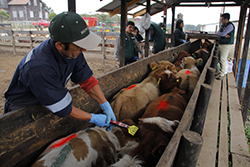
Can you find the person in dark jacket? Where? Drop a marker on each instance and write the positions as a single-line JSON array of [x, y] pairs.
[[179, 36], [156, 34], [131, 43], [139, 39]]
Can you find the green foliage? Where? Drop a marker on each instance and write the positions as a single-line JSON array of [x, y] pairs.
[[52, 15], [4, 16], [103, 17], [189, 27], [247, 130]]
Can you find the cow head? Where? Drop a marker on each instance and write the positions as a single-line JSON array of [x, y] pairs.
[[154, 135], [168, 81], [182, 54], [168, 65], [188, 62], [158, 69]]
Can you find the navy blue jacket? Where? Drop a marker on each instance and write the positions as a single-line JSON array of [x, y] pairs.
[[41, 76]]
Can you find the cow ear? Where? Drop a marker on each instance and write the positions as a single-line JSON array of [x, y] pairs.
[[178, 80], [153, 65], [199, 62], [159, 149]]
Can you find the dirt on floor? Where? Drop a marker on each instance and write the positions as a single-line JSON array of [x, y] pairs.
[[9, 62]]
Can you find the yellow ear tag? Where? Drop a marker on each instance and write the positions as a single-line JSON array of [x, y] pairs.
[[159, 80], [177, 80], [154, 68], [132, 130]]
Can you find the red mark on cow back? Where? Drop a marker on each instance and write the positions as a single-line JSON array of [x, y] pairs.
[[163, 105], [63, 141], [130, 87], [188, 72]]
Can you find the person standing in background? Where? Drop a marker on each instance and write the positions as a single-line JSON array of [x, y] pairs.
[[226, 34], [157, 36], [131, 43], [139, 39], [179, 35]]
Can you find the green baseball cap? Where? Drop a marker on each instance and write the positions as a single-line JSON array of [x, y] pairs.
[[69, 27]]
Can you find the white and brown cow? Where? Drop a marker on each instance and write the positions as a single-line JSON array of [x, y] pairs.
[[130, 102], [154, 134], [93, 147]]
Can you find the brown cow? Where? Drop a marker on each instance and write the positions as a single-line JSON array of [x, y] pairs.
[[92, 147], [206, 47], [177, 62], [130, 102], [166, 78], [156, 128], [154, 134], [189, 74], [169, 66], [170, 106]]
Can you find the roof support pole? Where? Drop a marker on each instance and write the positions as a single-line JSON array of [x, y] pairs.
[[172, 26], [147, 32], [72, 5], [165, 18], [242, 71], [122, 30], [239, 36]]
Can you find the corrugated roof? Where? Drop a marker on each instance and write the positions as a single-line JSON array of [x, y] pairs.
[[18, 2], [157, 6]]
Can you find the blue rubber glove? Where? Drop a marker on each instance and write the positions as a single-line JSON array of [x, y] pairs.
[[99, 119], [106, 108], [184, 41]]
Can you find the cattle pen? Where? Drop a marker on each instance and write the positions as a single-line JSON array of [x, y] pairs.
[[211, 132]]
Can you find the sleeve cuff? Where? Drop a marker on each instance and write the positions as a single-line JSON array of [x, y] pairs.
[[88, 84]]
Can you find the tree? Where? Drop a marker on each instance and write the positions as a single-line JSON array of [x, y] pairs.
[[103, 17], [4, 16], [52, 15]]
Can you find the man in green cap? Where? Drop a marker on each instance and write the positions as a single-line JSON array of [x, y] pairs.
[[42, 74]]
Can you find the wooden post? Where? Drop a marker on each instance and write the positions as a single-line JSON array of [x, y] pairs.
[[147, 32], [172, 26], [241, 24], [165, 18], [72, 5], [31, 43], [210, 76], [189, 149], [123, 35], [244, 57], [13, 42], [201, 108], [103, 47]]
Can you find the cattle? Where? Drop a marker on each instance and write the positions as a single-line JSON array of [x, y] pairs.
[[154, 134], [189, 74], [177, 62], [130, 102], [93, 147], [170, 105], [168, 81], [156, 128], [205, 47], [169, 66]]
